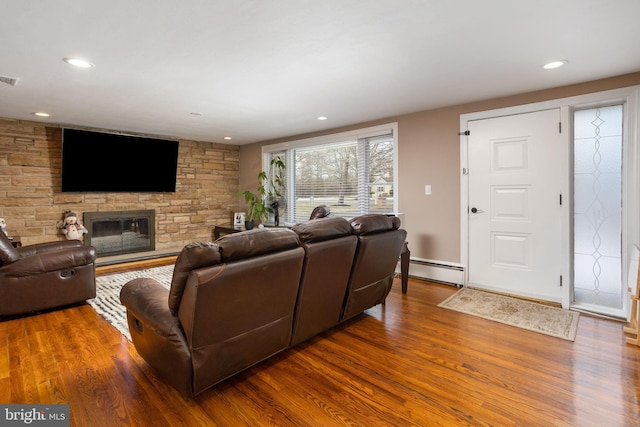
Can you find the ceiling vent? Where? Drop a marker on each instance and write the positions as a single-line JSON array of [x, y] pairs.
[[11, 81]]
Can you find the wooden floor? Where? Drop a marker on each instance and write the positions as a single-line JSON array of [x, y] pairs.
[[405, 363]]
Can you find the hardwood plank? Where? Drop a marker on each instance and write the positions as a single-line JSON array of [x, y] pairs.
[[408, 362], [135, 265]]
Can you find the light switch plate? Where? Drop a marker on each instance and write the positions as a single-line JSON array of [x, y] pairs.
[[427, 190]]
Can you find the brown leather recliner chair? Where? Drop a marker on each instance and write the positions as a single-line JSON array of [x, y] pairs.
[[45, 275]]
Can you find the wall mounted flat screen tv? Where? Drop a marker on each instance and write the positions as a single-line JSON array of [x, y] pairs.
[[106, 162]]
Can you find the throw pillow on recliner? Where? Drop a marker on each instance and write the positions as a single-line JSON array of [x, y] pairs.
[[322, 211]]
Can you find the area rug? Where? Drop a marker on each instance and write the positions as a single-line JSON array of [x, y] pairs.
[[107, 300], [515, 312]]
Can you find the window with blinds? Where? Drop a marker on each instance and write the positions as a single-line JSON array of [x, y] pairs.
[[353, 173]]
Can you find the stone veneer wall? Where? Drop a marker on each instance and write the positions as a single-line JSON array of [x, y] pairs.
[[31, 201]]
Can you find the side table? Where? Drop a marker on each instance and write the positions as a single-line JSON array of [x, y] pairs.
[[219, 230]]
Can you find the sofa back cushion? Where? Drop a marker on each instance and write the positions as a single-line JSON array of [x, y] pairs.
[[374, 223], [193, 256], [8, 253], [318, 230], [256, 242]]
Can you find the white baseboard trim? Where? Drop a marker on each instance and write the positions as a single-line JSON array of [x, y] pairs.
[[435, 271]]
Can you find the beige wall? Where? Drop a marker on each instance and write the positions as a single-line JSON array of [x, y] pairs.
[[32, 203], [429, 153]]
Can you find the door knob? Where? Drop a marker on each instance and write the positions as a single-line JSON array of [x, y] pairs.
[[476, 210]]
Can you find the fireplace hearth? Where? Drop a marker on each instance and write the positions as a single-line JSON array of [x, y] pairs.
[[120, 232]]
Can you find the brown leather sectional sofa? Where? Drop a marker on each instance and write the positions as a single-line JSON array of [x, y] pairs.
[[247, 296]]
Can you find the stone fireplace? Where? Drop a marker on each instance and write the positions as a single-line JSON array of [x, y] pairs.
[[120, 232]]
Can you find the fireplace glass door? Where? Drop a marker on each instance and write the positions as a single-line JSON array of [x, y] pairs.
[[114, 233]]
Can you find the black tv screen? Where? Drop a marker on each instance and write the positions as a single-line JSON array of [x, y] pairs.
[[106, 162]]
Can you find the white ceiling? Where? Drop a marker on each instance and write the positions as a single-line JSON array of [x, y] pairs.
[[262, 69]]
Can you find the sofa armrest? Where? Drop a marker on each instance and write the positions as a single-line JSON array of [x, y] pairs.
[[147, 300], [51, 261], [157, 333], [40, 248]]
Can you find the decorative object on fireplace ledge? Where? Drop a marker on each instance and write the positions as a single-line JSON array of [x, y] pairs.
[[270, 186], [71, 227], [3, 227]]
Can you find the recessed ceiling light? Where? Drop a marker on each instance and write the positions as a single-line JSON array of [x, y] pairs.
[[41, 114], [554, 64], [80, 63], [227, 138], [322, 118]]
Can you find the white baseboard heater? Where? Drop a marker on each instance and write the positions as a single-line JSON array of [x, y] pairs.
[[436, 271]]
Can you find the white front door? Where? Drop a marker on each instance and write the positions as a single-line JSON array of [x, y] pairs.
[[517, 170]]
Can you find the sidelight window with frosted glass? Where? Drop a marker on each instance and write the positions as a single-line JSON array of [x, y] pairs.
[[598, 207]]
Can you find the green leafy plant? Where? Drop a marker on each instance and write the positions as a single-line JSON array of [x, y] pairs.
[[270, 187]]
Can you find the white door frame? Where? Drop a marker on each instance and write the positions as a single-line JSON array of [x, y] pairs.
[[630, 186]]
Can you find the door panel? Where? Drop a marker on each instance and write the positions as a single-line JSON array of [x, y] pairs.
[[510, 203], [511, 250], [516, 173]]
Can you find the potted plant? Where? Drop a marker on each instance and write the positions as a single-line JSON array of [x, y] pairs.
[[270, 186]]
